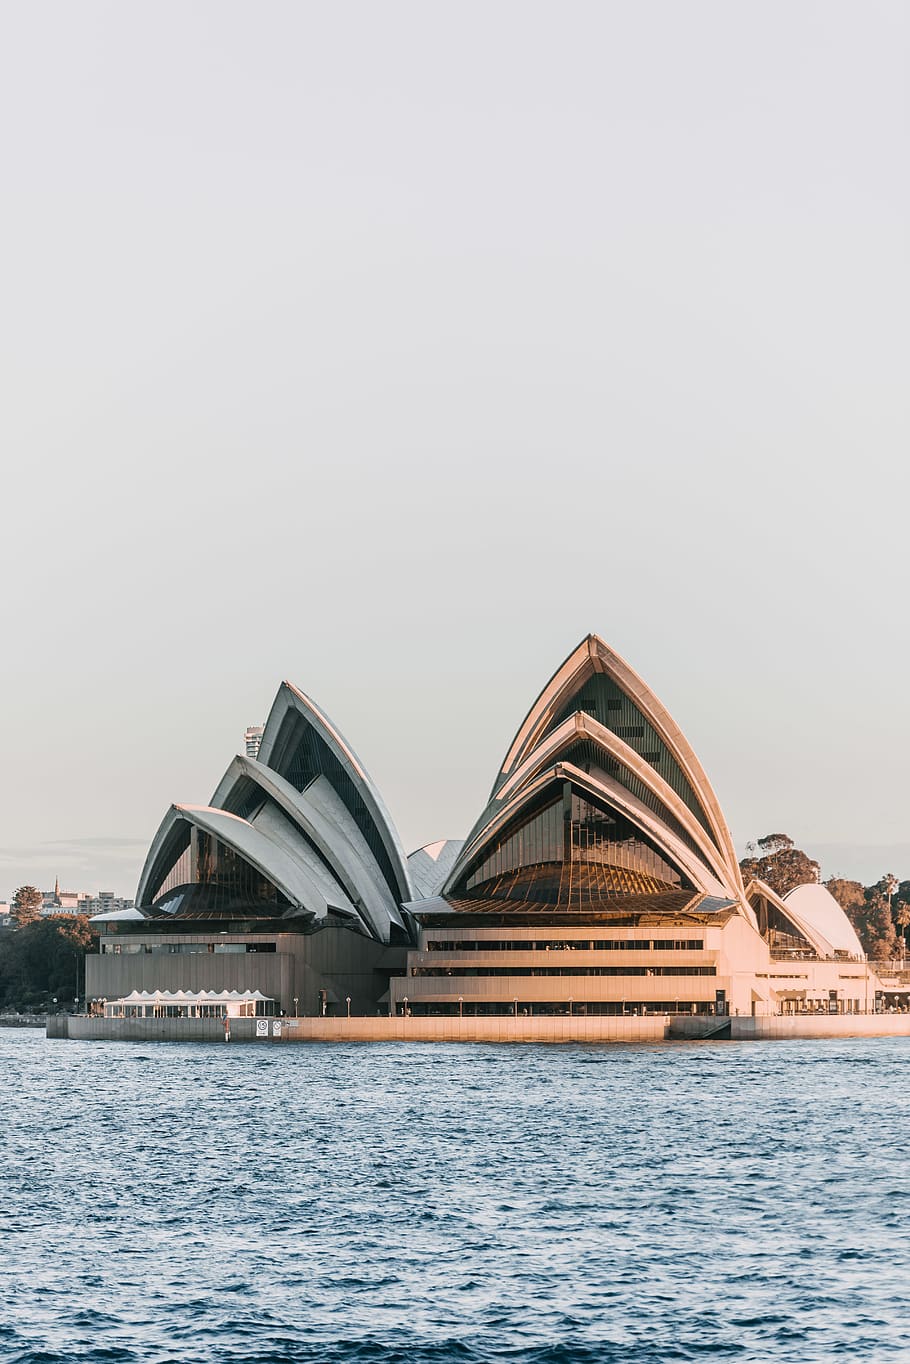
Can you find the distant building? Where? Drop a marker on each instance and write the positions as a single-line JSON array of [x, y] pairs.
[[253, 738], [59, 901], [105, 902]]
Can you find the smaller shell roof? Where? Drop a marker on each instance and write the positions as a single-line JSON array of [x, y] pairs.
[[429, 866], [818, 907]]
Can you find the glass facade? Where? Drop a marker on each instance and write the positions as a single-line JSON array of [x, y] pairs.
[[588, 756], [570, 852], [457, 945], [610, 706], [521, 971], [209, 879]]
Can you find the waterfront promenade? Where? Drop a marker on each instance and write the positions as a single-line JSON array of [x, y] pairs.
[[505, 1028]]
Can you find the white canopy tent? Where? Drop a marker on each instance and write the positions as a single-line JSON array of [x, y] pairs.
[[190, 1004]]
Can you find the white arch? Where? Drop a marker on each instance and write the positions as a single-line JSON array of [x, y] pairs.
[[286, 873], [612, 794], [324, 819], [289, 699], [816, 935], [817, 907], [591, 656], [584, 726]]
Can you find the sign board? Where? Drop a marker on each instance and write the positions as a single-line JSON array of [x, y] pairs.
[[262, 1027], [276, 1027]]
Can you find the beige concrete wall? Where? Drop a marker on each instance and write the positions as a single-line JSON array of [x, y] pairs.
[[499, 1029], [334, 958], [503, 1029], [820, 1025]]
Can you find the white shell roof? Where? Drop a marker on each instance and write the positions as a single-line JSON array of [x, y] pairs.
[[429, 866], [817, 906]]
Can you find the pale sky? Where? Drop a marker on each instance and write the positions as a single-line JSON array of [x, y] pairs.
[[391, 348]]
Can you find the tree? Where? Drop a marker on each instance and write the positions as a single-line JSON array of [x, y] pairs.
[[880, 937], [869, 912], [76, 930], [27, 903], [43, 959], [781, 865], [850, 895], [902, 920]]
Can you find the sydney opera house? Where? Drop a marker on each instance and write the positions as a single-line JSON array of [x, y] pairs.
[[600, 878]]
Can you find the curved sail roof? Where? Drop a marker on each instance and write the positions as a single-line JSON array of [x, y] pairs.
[[583, 741], [429, 866], [816, 907], [804, 913], [598, 731], [300, 743], [596, 680], [607, 793], [320, 827], [288, 874]]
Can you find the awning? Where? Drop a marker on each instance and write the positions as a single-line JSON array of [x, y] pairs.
[[195, 997]]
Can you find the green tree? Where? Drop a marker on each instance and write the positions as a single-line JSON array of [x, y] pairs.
[[880, 937], [869, 911], [43, 959], [851, 896], [776, 861], [901, 917], [27, 903]]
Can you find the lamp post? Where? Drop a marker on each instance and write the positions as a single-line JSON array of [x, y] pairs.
[[405, 1003], [296, 1006], [515, 1007], [347, 1000], [461, 1006], [570, 1006]]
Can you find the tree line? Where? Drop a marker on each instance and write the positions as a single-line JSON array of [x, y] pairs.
[[880, 913], [42, 959]]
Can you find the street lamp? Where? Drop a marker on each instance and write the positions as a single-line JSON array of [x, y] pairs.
[[515, 1007], [461, 1006], [296, 1006], [405, 1003], [347, 1000]]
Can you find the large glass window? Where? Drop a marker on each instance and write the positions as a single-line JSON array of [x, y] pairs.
[[209, 878], [609, 705], [571, 851]]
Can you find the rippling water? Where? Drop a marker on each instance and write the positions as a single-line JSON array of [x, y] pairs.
[[555, 1205]]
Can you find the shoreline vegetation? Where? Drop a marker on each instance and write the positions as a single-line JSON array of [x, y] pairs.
[[42, 959]]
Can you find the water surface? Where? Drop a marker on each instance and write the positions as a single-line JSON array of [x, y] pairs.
[[396, 1202]]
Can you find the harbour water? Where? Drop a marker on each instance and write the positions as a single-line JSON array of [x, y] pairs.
[[420, 1204]]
